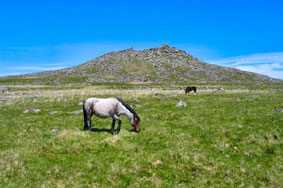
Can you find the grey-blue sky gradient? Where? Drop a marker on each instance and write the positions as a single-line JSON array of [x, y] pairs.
[[48, 34]]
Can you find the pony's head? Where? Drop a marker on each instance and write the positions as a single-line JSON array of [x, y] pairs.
[[135, 122], [135, 119]]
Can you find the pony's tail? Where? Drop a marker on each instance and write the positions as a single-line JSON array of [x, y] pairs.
[[85, 117]]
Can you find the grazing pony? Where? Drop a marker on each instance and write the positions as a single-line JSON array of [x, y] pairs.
[[190, 88], [110, 107]]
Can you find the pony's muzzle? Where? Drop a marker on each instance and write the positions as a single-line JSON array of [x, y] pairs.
[[137, 129]]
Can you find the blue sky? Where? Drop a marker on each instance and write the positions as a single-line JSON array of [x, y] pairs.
[[44, 35]]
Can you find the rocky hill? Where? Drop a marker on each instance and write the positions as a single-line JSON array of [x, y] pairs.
[[164, 64]]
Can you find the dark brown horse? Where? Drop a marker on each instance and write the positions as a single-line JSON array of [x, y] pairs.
[[190, 88]]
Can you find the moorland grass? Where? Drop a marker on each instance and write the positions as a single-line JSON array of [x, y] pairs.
[[230, 138]]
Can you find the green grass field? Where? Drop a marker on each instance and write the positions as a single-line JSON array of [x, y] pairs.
[[231, 138]]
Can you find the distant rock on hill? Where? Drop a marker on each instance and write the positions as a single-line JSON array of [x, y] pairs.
[[164, 64]]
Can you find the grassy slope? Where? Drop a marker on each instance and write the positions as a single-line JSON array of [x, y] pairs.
[[163, 64], [227, 139]]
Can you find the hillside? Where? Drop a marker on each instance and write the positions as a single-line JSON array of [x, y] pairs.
[[227, 139], [164, 64]]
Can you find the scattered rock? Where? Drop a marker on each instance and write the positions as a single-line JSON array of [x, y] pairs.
[[135, 106], [3, 99], [80, 103], [136, 100], [31, 111], [76, 112], [54, 130], [181, 104], [218, 90], [278, 109], [62, 96], [3, 89], [53, 112]]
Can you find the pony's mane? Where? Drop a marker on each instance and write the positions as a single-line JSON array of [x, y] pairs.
[[128, 107]]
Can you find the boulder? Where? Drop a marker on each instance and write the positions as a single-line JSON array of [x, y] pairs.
[[53, 112], [31, 111], [76, 112], [181, 104], [278, 109], [3, 89]]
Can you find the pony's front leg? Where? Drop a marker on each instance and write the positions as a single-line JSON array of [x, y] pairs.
[[119, 126], [116, 118], [113, 126], [89, 123]]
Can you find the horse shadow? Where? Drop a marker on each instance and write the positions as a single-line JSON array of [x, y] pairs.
[[97, 130], [100, 130]]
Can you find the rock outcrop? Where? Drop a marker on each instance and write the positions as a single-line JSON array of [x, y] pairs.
[[163, 64]]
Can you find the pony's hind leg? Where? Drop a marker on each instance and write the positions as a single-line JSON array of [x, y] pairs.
[[87, 117], [87, 124], [116, 118], [87, 121]]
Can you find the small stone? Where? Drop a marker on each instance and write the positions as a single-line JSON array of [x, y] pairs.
[[54, 130], [278, 109], [53, 112], [36, 110], [76, 112], [3, 89], [181, 104], [31, 111], [3, 99], [135, 106]]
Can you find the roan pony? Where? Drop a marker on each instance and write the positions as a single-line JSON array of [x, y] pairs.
[[190, 88], [110, 107]]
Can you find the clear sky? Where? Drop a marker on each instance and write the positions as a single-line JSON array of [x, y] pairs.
[[43, 35]]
